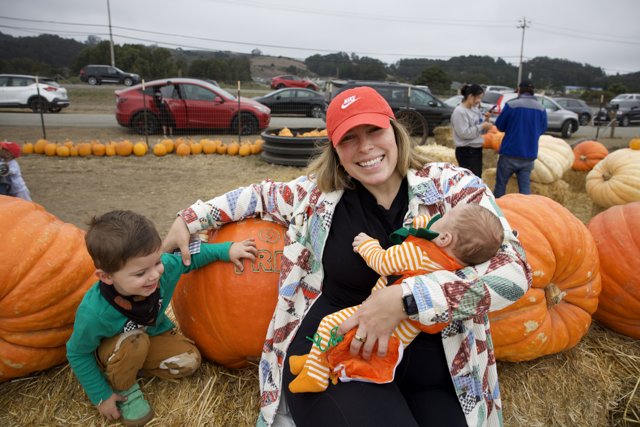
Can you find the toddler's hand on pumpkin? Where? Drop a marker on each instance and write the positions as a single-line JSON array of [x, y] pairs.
[[108, 408], [245, 249]]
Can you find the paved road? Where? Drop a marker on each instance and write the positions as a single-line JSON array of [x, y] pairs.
[[26, 118]]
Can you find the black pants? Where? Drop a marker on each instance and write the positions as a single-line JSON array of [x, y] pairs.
[[470, 158], [422, 393]]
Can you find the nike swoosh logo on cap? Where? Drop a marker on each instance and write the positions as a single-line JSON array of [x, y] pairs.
[[350, 100]]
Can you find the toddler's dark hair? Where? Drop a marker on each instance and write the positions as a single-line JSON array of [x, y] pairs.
[[115, 237]]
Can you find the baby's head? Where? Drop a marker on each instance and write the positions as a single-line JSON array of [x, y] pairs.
[[115, 237], [470, 233]]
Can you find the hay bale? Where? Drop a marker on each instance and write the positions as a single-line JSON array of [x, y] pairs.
[[575, 179], [439, 153], [557, 190], [443, 136], [576, 387], [591, 385]]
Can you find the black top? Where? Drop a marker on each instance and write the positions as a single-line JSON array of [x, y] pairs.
[[348, 280]]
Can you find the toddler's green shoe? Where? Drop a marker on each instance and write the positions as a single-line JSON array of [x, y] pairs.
[[135, 411]]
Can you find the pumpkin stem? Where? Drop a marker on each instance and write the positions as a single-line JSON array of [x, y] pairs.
[[553, 295], [606, 176]]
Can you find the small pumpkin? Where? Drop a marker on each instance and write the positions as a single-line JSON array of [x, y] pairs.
[[208, 146], [84, 149], [615, 232], [587, 154], [555, 313], [233, 148], [50, 149], [38, 147], [244, 150], [27, 148], [196, 148], [227, 312], [634, 144], [160, 149], [62, 151], [615, 180], [44, 273], [124, 148], [140, 149], [98, 149], [183, 150]]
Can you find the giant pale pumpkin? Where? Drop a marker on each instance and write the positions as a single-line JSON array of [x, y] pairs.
[[227, 312], [615, 180], [44, 272], [555, 157], [618, 240], [587, 154], [556, 312]]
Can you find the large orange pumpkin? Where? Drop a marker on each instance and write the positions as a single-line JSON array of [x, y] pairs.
[[618, 240], [587, 154], [556, 312], [44, 272], [227, 312]]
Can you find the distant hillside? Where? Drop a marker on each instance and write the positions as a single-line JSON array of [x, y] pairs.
[[54, 55]]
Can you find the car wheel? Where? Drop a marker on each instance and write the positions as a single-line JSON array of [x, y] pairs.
[[280, 86], [624, 122], [38, 105], [311, 87], [316, 112], [55, 109], [248, 123], [92, 81], [415, 124], [585, 118], [128, 81], [567, 129], [150, 126]]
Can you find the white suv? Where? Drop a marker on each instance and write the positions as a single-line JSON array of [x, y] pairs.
[[20, 91]]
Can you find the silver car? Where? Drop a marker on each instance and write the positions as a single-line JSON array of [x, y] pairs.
[[558, 119]]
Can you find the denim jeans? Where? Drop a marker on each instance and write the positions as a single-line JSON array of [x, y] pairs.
[[507, 166]]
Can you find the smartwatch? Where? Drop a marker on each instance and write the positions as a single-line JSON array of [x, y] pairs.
[[409, 305]]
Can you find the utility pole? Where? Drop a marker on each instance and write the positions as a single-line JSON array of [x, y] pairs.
[[113, 59], [524, 25]]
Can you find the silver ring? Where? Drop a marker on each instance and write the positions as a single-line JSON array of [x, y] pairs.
[[359, 338]]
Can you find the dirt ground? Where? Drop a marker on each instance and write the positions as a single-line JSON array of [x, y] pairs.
[[74, 189]]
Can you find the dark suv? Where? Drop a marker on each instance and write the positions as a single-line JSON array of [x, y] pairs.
[[98, 74], [626, 111], [402, 98]]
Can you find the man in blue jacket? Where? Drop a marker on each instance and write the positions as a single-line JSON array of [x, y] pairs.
[[523, 120]]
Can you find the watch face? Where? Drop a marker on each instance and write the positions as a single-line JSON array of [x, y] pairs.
[[410, 306]]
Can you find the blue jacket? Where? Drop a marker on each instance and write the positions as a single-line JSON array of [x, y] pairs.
[[523, 120]]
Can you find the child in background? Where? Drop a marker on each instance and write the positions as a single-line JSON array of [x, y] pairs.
[[121, 328], [468, 235], [11, 182]]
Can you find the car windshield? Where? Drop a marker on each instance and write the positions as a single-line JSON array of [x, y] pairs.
[[491, 97], [225, 93]]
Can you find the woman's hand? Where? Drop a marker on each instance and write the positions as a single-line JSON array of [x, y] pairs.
[[108, 408], [241, 250], [376, 319], [178, 237]]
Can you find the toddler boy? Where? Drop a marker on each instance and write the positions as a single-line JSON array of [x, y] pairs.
[[121, 328]]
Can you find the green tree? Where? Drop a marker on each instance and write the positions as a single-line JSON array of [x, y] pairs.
[[435, 78]]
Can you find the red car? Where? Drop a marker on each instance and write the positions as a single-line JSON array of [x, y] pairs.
[[192, 104], [279, 82]]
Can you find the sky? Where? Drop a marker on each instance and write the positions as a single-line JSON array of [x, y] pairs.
[[603, 33]]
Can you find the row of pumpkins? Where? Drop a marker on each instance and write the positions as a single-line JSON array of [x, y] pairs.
[[125, 148], [578, 272], [612, 178]]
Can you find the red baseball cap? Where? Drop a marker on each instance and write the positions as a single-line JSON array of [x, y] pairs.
[[12, 147], [354, 107]]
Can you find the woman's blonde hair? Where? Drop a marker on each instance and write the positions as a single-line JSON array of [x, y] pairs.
[[331, 176]]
